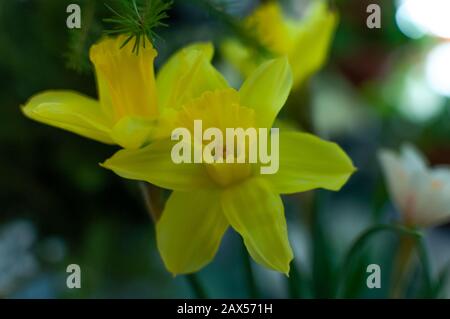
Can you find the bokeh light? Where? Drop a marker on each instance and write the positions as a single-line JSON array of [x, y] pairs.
[[418, 102], [438, 69], [416, 17]]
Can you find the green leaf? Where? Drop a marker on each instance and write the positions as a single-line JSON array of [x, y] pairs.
[[324, 262], [360, 242]]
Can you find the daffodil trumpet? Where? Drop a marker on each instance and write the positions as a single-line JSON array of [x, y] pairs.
[[237, 145]]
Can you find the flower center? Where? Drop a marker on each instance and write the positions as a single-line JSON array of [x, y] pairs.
[[225, 174], [220, 110]]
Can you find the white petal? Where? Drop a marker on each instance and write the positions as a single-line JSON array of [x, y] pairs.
[[397, 177], [433, 206], [422, 195], [413, 158]]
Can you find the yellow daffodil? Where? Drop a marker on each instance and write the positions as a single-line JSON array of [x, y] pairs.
[[421, 194], [209, 197], [306, 42], [131, 102]]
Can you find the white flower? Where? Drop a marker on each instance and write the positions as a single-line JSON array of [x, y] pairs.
[[421, 194]]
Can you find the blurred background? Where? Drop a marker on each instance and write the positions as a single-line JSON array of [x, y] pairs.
[[379, 88]]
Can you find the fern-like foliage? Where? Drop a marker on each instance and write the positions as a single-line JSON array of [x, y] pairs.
[[138, 19]]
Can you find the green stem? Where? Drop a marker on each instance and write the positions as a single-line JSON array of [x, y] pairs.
[[402, 266], [363, 239], [423, 256], [404, 262], [196, 286], [252, 287], [324, 267], [152, 198], [293, 282]]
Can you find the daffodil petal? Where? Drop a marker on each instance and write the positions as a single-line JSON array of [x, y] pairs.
[[153, 164], [190, 230], [312, 41], [243, 58], [307, 162], [133, 132], [256, 212], [70, 111], [267, 89], [187, 75]]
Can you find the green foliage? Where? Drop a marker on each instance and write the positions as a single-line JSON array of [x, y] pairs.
[[138, 19], [52, 179], [218, 9], [81, 39]]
